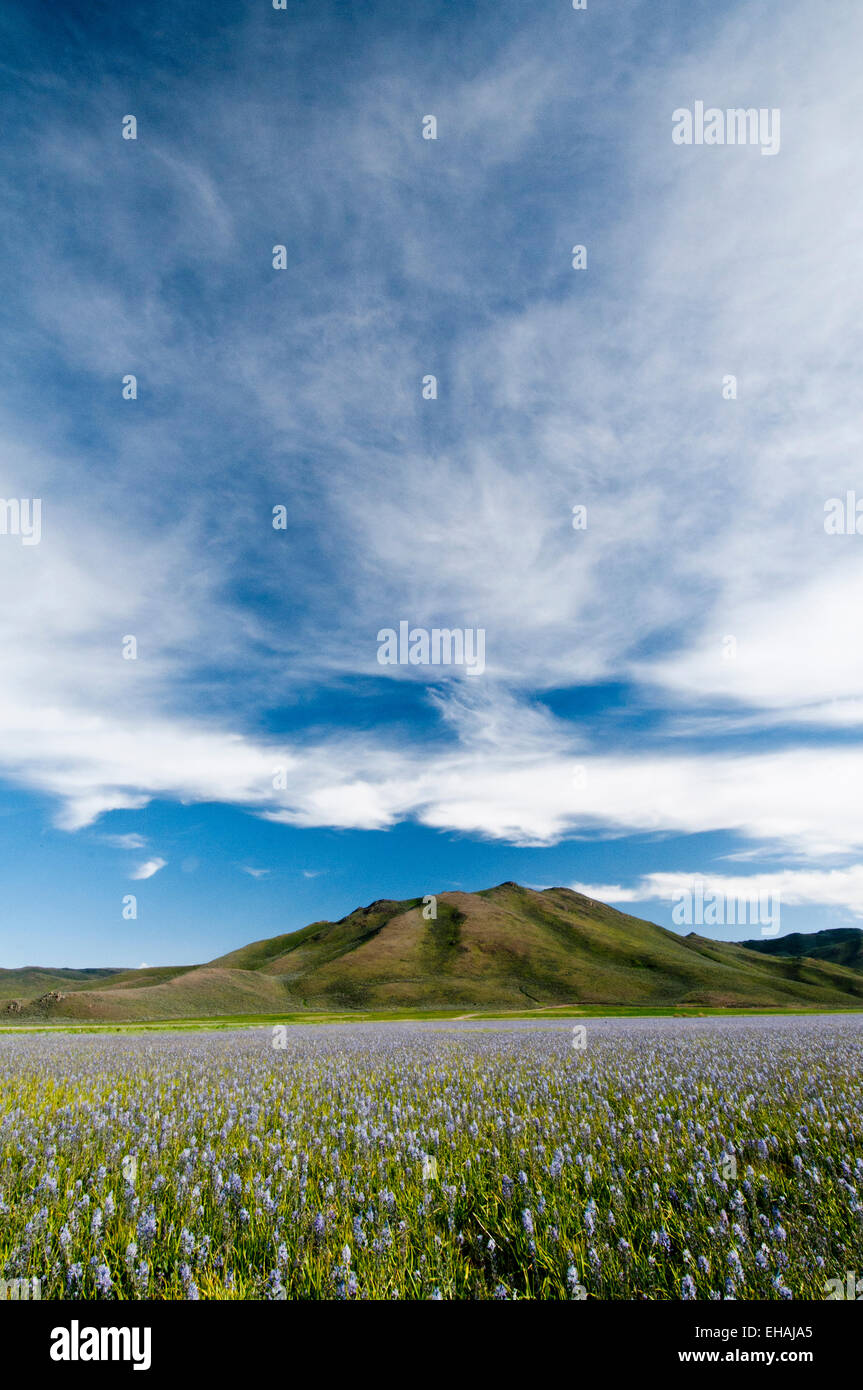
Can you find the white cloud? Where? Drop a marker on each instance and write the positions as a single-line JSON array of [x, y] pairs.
[[148, 868], [834, 888], [793, 652], [504, 773], [606, 892]]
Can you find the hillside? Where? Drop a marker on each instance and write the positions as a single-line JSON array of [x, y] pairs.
[[31, 980], [841, 945], [505, 948]]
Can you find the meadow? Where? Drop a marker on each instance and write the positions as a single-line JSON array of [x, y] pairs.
[[664, 1158]]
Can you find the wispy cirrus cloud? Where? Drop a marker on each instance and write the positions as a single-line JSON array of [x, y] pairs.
[[130, 841]]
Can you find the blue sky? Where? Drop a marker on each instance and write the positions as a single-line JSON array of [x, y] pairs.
[[615, 739]]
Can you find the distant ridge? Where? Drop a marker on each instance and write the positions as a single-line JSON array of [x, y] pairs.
[[841, 945], [506, 947]]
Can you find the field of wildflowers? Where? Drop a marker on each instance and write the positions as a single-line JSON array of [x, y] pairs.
[[664, 1159]]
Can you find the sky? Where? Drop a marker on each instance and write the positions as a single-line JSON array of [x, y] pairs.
[[671, 693]]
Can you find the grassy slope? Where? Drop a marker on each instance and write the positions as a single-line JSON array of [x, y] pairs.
[[505, 948], [32, 980], [200, 992], [841, 945]]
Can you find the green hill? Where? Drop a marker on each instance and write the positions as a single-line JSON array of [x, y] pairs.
[[841, 945], [503, 948], [31, 980]]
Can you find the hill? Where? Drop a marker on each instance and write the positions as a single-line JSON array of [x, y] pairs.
[[504, 948], [841, 945], [31, 980]]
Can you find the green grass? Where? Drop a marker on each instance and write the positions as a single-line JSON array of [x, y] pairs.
[[229, 1021]]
